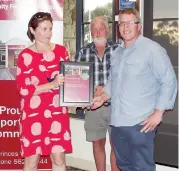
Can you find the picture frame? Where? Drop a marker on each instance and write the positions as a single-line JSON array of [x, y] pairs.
[[78, 88]]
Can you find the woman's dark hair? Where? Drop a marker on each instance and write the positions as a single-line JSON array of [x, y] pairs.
[[35, 20]]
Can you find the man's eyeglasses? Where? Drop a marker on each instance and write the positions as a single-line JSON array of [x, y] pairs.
[[42, 15], [128, 23]]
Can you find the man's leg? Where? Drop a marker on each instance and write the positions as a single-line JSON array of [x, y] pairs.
[[113, 162], [121, 147], [99, 154], [133, 149], [96, 129], [142, 148]]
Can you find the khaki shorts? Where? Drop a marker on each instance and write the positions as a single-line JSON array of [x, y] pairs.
[[97, 123]]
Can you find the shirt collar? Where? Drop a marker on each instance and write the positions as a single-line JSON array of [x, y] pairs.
[[133, 45]]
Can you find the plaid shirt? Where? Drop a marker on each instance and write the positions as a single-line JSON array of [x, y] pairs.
[[101, 66]]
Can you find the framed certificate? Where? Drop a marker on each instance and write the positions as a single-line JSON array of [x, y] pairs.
[[78, 88]]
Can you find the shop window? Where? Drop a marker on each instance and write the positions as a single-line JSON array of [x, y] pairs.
[[2, 59], [91, 10], [86, 11]]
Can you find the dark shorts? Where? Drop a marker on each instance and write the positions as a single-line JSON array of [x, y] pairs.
[[133, 149]]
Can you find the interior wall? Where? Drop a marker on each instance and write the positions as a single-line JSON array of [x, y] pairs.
[[69, 26]]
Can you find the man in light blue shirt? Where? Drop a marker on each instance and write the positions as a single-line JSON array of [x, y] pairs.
[[142, 85]]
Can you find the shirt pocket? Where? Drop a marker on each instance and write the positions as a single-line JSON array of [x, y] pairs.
[[136, 67]]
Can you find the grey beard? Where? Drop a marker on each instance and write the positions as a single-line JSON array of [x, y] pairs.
[[99, 41]]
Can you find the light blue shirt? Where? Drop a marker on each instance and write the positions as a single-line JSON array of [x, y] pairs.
[[141, 80]]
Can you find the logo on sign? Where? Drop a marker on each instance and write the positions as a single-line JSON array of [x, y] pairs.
[[126, 4]]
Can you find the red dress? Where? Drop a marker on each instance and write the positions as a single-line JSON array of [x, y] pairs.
[[44, 125]]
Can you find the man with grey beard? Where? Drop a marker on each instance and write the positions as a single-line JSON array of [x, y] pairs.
[[97, 121]]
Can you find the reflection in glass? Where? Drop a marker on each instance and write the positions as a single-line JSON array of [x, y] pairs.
[[166, 34], [97, 8], [91, 10]]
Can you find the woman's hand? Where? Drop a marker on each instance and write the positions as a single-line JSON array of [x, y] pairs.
[[58, 80]]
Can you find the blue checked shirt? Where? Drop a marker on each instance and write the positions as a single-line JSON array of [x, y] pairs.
[[141, 80], [101, 66]]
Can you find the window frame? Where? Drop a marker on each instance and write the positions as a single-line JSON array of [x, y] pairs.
[[80, 23], [3, 57]]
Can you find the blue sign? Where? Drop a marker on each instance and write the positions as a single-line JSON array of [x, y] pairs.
[[126, 4]]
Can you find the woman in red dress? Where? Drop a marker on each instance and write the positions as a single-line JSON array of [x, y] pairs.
[[44, 126]]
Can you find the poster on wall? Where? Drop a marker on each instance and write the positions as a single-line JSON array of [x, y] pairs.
[[10, 153], [14, 17]]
